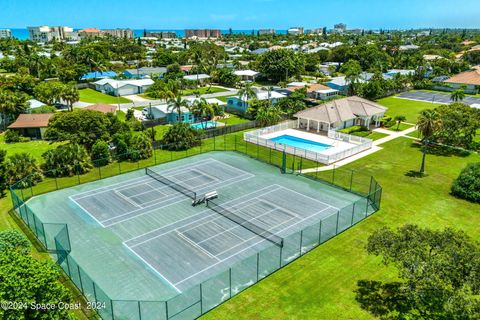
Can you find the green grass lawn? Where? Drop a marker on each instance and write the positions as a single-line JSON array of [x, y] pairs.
[[145, 96], [34, 148], [225, 98], [321, 284], [373, 135], [232, 119], [203, 90], [401, 127], [92, 96], [408, 108]]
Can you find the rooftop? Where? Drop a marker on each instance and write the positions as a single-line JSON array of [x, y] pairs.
[[469, 77], [31, 121]]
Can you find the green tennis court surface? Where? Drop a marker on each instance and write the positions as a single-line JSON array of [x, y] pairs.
[[139, 238]]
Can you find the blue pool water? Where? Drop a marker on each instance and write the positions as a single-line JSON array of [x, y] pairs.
[[204, 125], [301, 143]]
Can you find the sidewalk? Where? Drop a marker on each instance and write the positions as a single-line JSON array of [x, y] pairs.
[[375, 147]]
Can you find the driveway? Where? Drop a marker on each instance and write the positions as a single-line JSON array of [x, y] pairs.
[[435, 97]]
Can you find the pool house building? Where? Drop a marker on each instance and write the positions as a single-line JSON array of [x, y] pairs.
[[340, 114]]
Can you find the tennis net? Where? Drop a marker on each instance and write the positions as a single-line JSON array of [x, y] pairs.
[[246, 224], [189, 193]]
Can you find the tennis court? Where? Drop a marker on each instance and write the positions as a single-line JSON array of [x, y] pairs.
[[138, 241]]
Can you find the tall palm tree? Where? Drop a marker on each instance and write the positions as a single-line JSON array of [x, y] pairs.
[[247, 92], [203, 110], [268, 115], [176, 104], [428, 124], [197, 59], [70, 95]]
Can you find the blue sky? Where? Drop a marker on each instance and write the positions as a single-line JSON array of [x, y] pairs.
[[240, 14]]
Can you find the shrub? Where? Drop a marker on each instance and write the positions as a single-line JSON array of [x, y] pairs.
[[140, 147], [353, 129], [20, 166], [66, 160], [13, 240], [12, 136], [181, 136], [467, 185], [100, 153]]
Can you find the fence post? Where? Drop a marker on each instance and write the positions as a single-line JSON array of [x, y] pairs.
[[31, 188], [94, 291], [333, 175], [281, 251], [338, 216], [99, 172], [225, 142], [119, 167], [258, 261], [301, 242], [214, 143], [56, 183], [155, 155], [230, 280], [320, 232], [166, 309], [235, 143], [201, 299], [80, 278], [113, 312], [353, 212]]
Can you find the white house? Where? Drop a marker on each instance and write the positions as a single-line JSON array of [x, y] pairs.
[[122, 87], [201, 78], [247, 75]]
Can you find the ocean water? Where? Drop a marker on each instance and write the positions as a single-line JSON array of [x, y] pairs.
[[22, 34]]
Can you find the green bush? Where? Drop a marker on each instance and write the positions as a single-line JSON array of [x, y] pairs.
[[20, 166], [66, 160], [140, 147], [467, 185], [100, 153], [181, 136], [13, 240], [12, 136], [353, 129]]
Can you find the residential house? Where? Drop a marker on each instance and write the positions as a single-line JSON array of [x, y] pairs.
[[201, 78], [164, 111], [247, 75], [122, 87], [408, 47], [315, 91], [259, 51], [31, 125], [240, 105], [98, 75], [145, 72], [341, 83], [469, 79], [340, 114], [89, 33], [34, 104]]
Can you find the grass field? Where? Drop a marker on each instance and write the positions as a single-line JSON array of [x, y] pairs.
[[373, 135], [232, 119], [203, 90], [34, 148], [92, 96], [321, 284], [408, 108], [401, 127]]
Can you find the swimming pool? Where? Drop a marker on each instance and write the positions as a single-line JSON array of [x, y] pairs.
[[301, 143], [204, 125]]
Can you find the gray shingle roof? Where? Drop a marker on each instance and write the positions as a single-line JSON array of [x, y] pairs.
[[342, 110]]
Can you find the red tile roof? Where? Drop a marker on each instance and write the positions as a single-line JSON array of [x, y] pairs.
[[31, 121], [469, 77]]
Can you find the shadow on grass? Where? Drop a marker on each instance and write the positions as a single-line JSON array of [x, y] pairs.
[[441, 150], [415, 174]]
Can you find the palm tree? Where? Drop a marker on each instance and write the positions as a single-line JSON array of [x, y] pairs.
[[203, 110], [458, 95], [70, 95], [400, 119], [176, 104], [197, 59], [268, 115], [428, 124], [247, 92]]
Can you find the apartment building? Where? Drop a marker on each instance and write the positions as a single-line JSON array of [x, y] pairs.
[[262, 32], [46, 33], [295, 31], [161, 34], [5, 33], [119, 33], [203, 33]]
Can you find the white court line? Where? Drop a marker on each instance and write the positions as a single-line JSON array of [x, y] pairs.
[[124, 197], [238, 252], [87, 212], [109, 187], [195, 245], [154, 270], [127, 182], [155, 206], [195, 221]]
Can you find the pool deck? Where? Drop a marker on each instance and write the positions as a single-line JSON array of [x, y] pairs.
[[337, 145]]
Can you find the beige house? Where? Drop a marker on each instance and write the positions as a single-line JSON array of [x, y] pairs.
[[340, 114]]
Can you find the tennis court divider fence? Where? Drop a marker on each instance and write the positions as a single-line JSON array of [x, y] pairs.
[[201, 298]]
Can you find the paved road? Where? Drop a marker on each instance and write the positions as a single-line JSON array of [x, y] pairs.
[[146, 103], [435, 97]]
